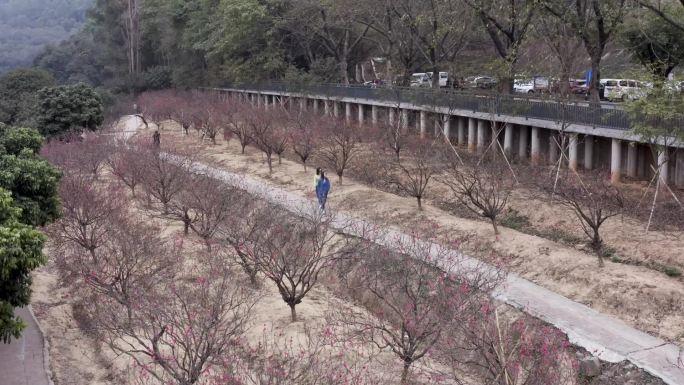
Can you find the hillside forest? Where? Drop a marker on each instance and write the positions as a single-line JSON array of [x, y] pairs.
[[27, 26], [133, 45]]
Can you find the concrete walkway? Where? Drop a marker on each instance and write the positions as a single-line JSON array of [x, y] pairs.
[[24, 360]]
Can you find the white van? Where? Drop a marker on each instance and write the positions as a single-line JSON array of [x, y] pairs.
[[420, 79], [443, 78], [623, 89]]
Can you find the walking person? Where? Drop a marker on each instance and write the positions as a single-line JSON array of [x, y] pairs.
[[322, 190], [317, 177], [156, 139]]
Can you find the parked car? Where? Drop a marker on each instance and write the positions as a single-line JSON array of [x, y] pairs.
[[374, 83], [424, 79], [484, 82], [443, 78], [578, 86], [420, 79], [523, 86], [623, 89], [541, 84]]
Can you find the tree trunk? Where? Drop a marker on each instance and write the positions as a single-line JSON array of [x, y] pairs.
[[186, 226], [507, 85], [293, 313], [270, 163], [435, 76], [344, 71], [405, 373], [420, 203], [597, 245], [595, 77], [495, 225], [243, 145]]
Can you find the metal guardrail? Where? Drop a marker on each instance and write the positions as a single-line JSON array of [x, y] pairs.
[[606, 115]]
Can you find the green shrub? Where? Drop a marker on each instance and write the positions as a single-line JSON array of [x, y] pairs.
[[15, 140], [514, 220], [670, 271]]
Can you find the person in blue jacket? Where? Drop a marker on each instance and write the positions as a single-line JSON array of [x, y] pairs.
[[322, 189]]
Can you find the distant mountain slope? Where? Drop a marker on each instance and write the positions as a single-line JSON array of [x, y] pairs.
[[26, 26]]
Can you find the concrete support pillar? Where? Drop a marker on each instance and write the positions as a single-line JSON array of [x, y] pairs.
[[302, 104], [361, 117], [315, 106], [374, 115], [482, 135], [522, 148], [347, 112], [437, 124], [679, 168], [423, 123], [258, 101], [462, 123], [326, 107], [573, 152], [404, 119], [391, 116], [632, 160], [336, 109], [588, 152], [553, 148], [615, 160], [663, 163], [446, 122], [274, 101], [643, 162], [508, 140], [472, 134], [535, 146]]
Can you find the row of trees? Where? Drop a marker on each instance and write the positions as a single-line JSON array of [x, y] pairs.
[[146, 43], [390, 157], [28, 199], [179, 308]]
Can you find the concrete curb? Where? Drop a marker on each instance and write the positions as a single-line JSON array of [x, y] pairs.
[[46, 346]]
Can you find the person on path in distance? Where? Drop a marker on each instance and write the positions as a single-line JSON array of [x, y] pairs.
[[156, 139], [317, 177], [322, 190]]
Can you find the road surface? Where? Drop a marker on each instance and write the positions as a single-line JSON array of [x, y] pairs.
[[24, 360]]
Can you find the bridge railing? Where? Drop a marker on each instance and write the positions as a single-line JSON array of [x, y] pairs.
[[530, 107]]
